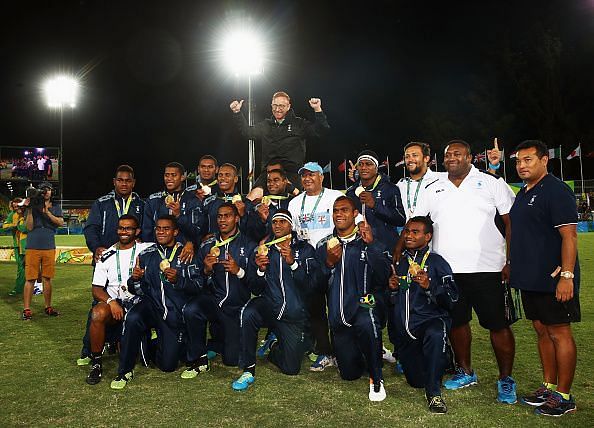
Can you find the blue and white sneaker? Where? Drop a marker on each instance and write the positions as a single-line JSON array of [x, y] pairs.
[[506, 390], [461, 380], [321, 363], [266, 345], [243, 382]]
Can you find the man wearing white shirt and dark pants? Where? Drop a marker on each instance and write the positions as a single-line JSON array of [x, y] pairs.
[[465, 207], [312, 217], [110, 278]]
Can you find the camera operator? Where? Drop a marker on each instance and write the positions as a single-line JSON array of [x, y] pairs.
[[42, 219]]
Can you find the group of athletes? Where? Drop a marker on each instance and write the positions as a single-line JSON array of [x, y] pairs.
[[193, 272]]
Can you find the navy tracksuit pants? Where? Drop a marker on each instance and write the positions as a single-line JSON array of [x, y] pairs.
[[288, 352], [424, 359], [359, 347], [204, 309], [137, 323]]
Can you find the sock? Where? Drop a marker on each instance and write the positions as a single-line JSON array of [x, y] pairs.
[[251, 369], [550, 386], [564, 395]]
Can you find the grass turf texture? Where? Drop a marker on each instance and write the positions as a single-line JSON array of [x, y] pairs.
[[61, 241], [41, 384]]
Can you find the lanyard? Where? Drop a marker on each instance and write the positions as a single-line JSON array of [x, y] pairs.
[[125, 208], [118, 263], [277, 197], [163, 254], [416, 193], [377, 180], [227, 198], [212, 183], [226, 241], [301, 216], [423, 260]]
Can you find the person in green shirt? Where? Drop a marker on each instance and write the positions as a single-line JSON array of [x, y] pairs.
[[15, 222]]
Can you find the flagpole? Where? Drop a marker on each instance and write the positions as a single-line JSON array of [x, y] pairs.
[[581, 169], [561, 162], [388, 163], [435, 157], [504, 162], [330, 172], [486, 164], [345, 175], [241, 180]]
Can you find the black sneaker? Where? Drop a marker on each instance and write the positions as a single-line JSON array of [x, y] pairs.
[[556, 406], [50, 311], [436, 404], [538, 397], [94, 376], [27, 315]]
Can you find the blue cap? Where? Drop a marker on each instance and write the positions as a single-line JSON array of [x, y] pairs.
[[312, 167]]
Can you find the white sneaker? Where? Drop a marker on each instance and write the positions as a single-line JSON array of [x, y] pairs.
[[376, 394], [387, 355], [321, 363]]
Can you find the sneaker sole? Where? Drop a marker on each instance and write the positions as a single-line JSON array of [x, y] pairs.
[[531, 404], [460, 387], [507, 402], [93, 382], [556, 416]]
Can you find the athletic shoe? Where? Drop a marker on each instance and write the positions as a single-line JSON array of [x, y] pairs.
[[13, 293], [94, 376], [312, 356], [266, 345], [122, 380], [27, 314], [387, 355], [506, 390], [321, 363], [377, 392], [556, 406], [461, 380], [538, 397], [49, 311], [195, 369], [243, 382], [398, 368], [83, 361], [436, 404]]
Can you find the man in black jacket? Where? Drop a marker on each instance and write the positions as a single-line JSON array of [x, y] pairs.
[[283, 135]]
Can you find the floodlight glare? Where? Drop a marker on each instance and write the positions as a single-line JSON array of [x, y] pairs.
[[243, 53], [61, 91]]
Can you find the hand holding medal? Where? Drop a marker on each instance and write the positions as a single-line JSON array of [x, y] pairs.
[[173, 204], [334, 252]]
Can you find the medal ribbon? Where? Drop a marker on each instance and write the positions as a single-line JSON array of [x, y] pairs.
[[301, 217], [126, 206], [411, 261], [276, 241], [350, 235], [377, 180], [172, 255], [118, 263], [226, 241]]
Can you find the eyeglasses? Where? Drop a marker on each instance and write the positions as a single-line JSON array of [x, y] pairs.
[[279, 106], [126, 228]]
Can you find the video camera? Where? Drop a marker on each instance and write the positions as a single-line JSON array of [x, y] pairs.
[[36, 196]]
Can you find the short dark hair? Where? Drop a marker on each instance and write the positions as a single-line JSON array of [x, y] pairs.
[[275, 161], [229, 205], [281, 94], [125, 168], [541, 148], [131, 217], [426, 221], [230, 165], [425, 148], [168, 217], [279, 171], [208, 157], [179, 166], [460, 142], [347, 199]]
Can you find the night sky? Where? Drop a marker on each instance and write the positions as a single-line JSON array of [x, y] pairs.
[[388, 72]]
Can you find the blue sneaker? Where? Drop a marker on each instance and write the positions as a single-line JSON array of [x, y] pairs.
[[506, 390], [461, 380], [243, 382], [398, 368], [266, 345], [211, 355]]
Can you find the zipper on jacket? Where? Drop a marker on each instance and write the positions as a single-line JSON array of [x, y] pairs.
[[163, 301], [282, 284], [407, 316], [103, 223], [344, 246], [226, 280]]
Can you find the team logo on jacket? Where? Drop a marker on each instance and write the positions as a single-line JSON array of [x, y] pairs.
[[241, 252], [532, 200], [362, 257], [289, 128], [296, 254], [137, 209]]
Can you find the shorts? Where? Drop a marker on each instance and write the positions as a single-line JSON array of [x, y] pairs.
[[40, 261], [544, 307], [483, 292]]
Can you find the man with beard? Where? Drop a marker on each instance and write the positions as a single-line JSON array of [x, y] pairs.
[[110, 294], [474, 200], [223, 266], [284, 135], [166, 285]]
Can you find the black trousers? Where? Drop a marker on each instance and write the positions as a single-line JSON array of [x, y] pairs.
[[198, 313], [359, 347], [317, 327], [287, 354], [425, 359], [170, 346]]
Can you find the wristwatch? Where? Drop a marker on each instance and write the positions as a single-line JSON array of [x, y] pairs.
[[567, 274]]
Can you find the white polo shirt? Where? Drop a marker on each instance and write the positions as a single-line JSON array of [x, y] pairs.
[[413, 191], [465, 233], [314, 225], [106, 270]]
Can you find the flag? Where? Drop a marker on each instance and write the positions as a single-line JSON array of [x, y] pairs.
[[342, 166], [513, 155], [326, 169], [577, 152], [555, 153], [400, 163], [479, 157]]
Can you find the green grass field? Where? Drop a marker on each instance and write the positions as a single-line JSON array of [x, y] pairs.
[[61, 240], [40, 383]]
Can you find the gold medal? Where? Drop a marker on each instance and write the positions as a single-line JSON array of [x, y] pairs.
[[266, 200], [262, 250], [359, 190], [164, 265], [215, 251], [414, 268], [169, 199], [236, 198], [333, 242], [205, 189]]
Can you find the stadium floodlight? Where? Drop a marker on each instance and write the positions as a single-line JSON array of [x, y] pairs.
[[61, 91], [243, 55]]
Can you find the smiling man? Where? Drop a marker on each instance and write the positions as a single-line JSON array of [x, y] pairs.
[[284, 135]]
